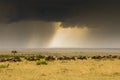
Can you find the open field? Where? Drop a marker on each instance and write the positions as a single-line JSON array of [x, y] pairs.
[[60, 65], [66, 51], [62, 70]]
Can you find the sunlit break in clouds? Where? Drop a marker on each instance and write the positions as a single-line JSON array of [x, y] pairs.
[[70, 37]]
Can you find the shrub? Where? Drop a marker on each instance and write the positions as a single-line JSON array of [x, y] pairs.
[[38, 63], [41, 63], [44, 62], [38, 57], [4, 66], [16, 57], [30, 58]]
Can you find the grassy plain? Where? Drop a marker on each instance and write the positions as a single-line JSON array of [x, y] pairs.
[[89, 69], [62, 70]]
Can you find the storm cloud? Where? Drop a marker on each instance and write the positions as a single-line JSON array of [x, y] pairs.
[[70, 12], [93, 13], [22, 19]]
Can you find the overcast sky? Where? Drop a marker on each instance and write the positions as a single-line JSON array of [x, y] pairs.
[[59, 23]]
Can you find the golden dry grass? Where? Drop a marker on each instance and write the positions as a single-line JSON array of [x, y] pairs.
[[62, 70]]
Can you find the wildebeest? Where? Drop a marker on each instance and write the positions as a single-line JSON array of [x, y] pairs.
[[74, 58], [60, 58], [50, 58], [66, 58], [82, 57], [96, 57]]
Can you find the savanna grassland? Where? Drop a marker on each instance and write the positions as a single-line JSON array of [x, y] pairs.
[[62, 70], [47, 68]]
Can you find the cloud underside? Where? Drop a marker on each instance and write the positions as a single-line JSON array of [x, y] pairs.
[[27, 21], [70, 13]]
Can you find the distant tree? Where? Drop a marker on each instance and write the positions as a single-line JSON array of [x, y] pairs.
[[14, 52]]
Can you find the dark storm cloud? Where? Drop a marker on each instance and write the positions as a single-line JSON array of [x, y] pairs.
[[70, 12], [22, 21], [49, 10]]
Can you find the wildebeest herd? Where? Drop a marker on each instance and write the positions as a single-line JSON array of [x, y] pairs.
[[18, 58], [82, 57]]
